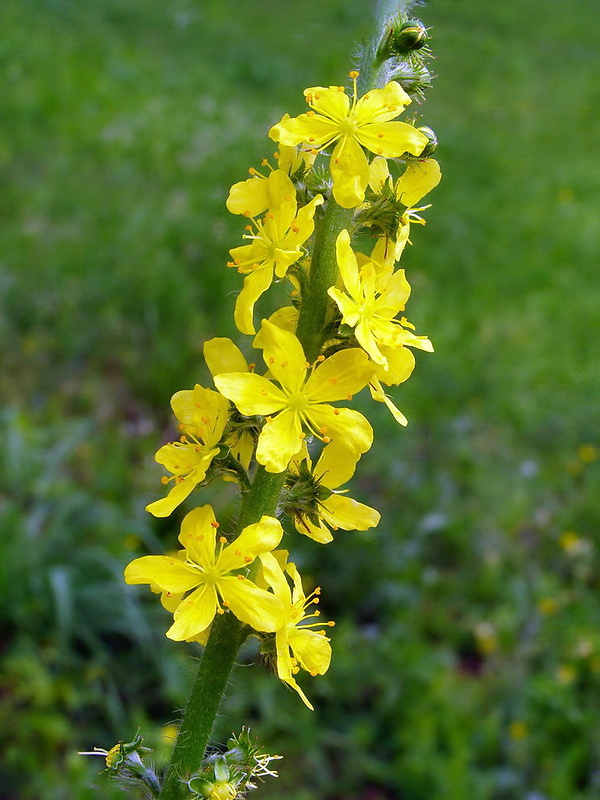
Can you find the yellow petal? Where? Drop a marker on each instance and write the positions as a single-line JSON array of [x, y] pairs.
[[344, 424], [275, 578], [336, 465], [350, 172], [344, 373], [255, 284], [166, 505], [254, 606], [283, 356], [285, 318], [207, 410], [378, 173], [348, 265], [280, 440], [253, 540], [331, 102], [378, 394], [222, 355], [348, 514], [392, 139], [312, 650], [348, 307], [198, 536], [194, 614], [318, 533], [419, 178], [316, 131], [169, 574], [401, 363], [250, 197], [380, 105], [394, 296], [251, 393], [366, 339]]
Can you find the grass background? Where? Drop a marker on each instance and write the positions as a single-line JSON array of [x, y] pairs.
[[467, 650]]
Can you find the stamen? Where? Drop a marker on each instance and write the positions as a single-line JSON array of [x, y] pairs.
[[214, 524]]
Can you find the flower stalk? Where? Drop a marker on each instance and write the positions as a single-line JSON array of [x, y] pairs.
[[279, 434]]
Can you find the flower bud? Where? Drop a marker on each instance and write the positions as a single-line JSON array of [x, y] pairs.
[[431, 147], [410, 35]]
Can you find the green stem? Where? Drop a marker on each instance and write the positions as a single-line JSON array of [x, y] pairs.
[[227, 632], [316, 303]]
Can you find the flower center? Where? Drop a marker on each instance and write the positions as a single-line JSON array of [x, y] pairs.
[[298, 402], [348, 127]]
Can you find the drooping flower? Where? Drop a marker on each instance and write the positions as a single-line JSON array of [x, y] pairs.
[[350, 126], [316, 506], [417, 180], [298, 646], [212, 574], [300, 404], [371, 303], [275, 245], [202, 415]]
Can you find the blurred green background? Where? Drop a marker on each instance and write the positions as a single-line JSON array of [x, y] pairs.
[[467, 650]]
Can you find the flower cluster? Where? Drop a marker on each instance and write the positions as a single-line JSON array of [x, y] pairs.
[[347, 158]]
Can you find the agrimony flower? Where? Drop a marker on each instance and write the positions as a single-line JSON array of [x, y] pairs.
[[298, 646], [275, 245], [350, 126], [211, 572], [202, 415], [300, 404], [371, 302], [317, 508]]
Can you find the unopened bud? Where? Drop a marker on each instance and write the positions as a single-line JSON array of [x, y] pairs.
[[431, 147], [410, 35]]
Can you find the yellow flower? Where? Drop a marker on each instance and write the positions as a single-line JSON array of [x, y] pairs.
[[325, 508], [212, 574], [301, 404], [417, 180], [298, 646], [275, 246], [352, 126], [203, 415], [371, 304]]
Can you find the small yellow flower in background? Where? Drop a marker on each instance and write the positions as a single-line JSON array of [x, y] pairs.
[[350, 126], [301, 405], [275, 246], [211, 573], [587, 453], [298, 646], [330, 510], [518, 730], [371, 303], [573, 544], [547, 606], [203, 416], [486, 637], [566, 674]]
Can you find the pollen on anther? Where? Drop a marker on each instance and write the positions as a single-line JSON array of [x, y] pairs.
[[353, 74], [325, 439], [214, 523], [348, 397], [336, 411], [222, 539], [307, 364], [248, 559], [220, 611], [240, 577], [271, 360], [311, 139], [164, 480], [380, 135], [251, 170], [296, 229], [320, 359], [284, 363], [251, 367]]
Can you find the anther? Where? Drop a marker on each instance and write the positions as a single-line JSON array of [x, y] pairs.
[[310, 113], [164, 480], [252, 171], [320, 358], [240, 577], [251, 367], [222, 539], [214, 523], [284, 363], [348, 397], [353, 74], [325, 439], [307, 364], [220, 611], [271, 360], [336, 411]]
